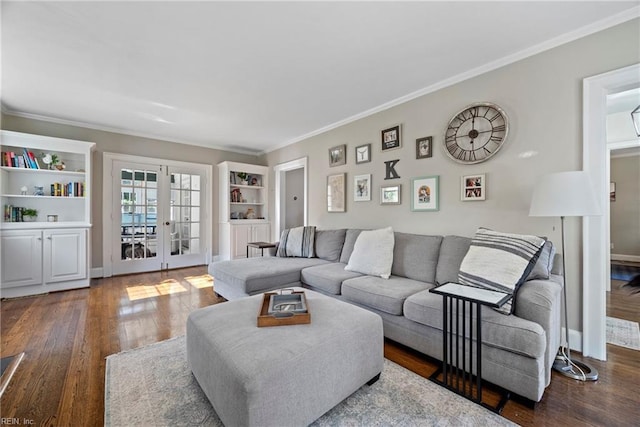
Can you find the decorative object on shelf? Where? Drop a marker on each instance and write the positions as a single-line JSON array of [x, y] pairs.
[[425, 194], [363, 153], [391, 138], [566, 194], [52, 218], [254, 180], [23, 190], [60, 166], [473, 187], [390, 195], [38, 190], [243, 178], [338, 155], [476, 133], [50, 160], [29, 215], [635, 117], [336, 199], [362, 188], [424, 147], [250, 214]]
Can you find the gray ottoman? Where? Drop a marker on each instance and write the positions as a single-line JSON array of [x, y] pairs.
[[282, 375]]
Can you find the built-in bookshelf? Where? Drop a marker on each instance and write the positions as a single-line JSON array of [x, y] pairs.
[[48, 251]]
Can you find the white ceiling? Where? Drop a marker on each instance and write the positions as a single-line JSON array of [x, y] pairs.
[[255, 76]]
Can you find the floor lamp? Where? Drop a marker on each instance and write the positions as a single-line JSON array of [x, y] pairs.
[[566, 194]]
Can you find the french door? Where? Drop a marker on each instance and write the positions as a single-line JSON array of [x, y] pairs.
[[158, 214]]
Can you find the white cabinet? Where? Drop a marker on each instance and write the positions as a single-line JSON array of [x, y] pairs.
[[50, 252], [242, 208], [39, 261]]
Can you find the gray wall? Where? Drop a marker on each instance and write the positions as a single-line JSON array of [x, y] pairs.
[[294, 212], [127, 144], [542, 95], [625, 211]]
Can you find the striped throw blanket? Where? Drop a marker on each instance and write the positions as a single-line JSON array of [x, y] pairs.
[[500, 262]]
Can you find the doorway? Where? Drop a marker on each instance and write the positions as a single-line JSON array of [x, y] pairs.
[[157, 214], [596, 238], [291, 175]]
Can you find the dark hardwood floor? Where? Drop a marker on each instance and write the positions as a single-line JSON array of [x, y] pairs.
[[66, 337]]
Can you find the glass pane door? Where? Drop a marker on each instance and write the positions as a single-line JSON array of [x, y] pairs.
[[185, 217], [139, 247]]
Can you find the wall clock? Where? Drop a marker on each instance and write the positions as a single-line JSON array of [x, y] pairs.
[[476, 133]]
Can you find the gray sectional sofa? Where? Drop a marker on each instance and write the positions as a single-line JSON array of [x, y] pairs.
[[518, 350]]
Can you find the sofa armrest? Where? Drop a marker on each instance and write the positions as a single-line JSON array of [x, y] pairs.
[[540, 301]]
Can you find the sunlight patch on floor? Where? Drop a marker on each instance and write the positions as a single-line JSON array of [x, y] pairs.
[[167, 287], [200, 282]]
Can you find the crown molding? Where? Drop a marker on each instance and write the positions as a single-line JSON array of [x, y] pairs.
[[110, 129], [587, 30]]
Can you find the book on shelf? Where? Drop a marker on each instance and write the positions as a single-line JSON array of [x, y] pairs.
[[27, 160]]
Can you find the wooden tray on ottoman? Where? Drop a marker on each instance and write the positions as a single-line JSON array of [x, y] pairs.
[[292, 318]]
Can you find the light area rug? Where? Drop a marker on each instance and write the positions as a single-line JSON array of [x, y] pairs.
[[153, 386], [623, 333]]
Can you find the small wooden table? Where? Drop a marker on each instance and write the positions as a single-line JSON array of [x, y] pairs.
[[259, 245]]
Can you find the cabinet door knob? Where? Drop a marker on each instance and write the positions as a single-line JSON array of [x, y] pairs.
[[167, 223], [49, 237], [39, 238]]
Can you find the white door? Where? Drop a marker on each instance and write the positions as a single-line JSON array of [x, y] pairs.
[[185, 227], [158, 213]]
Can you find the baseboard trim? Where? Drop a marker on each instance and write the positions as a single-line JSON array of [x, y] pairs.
[[575, 339], [620, 257], [97, 273]]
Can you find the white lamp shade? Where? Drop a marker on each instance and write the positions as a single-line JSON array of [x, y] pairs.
[[564, 194]]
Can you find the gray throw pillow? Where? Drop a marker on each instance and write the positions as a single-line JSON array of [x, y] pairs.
[[542, 269], [297, 242]]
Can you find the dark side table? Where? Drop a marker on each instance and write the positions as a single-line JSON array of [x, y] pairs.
[[457, 359], [259, 245]]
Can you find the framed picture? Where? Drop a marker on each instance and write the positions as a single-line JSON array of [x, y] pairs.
[[336, 199], [390, 195], [424, 147], [363, 153], [338, 155], [362, 188], [473, 187], [425, 194], [391, 138], [612, 191]]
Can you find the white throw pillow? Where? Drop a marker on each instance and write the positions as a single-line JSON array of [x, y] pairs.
[[373, 253]]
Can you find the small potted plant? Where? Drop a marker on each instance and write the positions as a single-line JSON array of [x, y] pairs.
[[243, 178], [29, 215]]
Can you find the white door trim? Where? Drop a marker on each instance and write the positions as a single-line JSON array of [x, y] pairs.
[[280, 171], [107, 202], [595, 229]]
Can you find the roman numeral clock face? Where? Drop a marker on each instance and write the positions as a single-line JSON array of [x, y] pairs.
[[476, 133]]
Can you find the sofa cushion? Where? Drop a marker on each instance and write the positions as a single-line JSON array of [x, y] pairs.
[[499, 262], [327, 277], [452, 251], [544, 265], [373, 253], [510, 333], [415, 256], [329, 244], [297, 242], [386, 295], [254, 275], [349, 240]]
